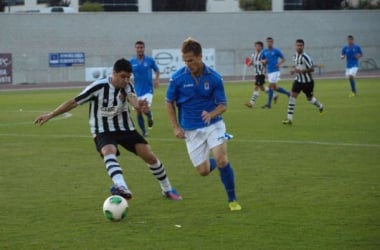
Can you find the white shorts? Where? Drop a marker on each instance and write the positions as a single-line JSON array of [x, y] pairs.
[[148, 97], [274, 77], [199, 142], [351, 71]]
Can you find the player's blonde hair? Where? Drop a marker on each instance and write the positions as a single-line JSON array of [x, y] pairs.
[[191, 45]]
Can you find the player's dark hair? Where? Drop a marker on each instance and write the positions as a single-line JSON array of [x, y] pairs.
[[140, 43], [269, 38], [122, 65], [300, 41], [259, 43], [350, 37], [191, 45]]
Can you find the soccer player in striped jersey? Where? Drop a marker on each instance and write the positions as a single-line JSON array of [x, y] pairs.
[[303, 68], [351, 52], [197, 92], [259, 71], [111, 125], [143, 66], [273, 59]]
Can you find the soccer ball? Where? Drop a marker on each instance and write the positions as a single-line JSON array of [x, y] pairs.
[[115, 208]]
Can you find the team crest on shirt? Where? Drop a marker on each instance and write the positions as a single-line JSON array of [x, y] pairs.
[[207, 85]]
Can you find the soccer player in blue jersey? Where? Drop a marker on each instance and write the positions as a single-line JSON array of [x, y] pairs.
[[112, 127], [351, 52], [273, 59], [144, 83], [196, 94]]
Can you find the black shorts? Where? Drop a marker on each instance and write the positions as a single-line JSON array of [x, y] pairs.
[[307, 88], [127, 139], [260, 80]]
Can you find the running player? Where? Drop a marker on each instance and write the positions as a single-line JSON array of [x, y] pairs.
[[303, 68], [143, 83], [259, 70], [111, 125], [273, 58], [351, 52], [197, 91]]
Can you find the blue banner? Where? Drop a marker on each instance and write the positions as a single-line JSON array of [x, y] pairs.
[[66, 59]]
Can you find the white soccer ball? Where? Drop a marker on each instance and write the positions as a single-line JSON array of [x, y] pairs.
[[115, 208]]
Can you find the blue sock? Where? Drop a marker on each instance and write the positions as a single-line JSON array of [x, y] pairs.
[[353, 87], [270, 97], [212, 164], [149, 114], [228, 179], [283, 91], [140, 121]]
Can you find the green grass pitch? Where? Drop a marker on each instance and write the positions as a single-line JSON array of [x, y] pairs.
[[312, 185]]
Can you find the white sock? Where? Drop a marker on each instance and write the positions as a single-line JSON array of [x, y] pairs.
[[291, 106], [315, 102], [114, 170], [254, 96], [158, 170]]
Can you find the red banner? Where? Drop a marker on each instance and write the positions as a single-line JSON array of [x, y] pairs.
[[5, 68]]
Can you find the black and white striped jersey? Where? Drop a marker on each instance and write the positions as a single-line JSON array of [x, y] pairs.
[[256, 58], [303, 61], [109, 110]]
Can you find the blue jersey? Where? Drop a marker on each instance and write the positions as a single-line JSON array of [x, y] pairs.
[[142, 74], [272, 57], [350, 52], [193, 95]]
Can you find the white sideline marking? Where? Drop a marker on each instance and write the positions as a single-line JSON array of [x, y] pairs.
[[341, 144], [61, 117], [316, 143]]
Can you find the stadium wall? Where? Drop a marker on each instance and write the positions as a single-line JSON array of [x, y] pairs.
[[105, 37]]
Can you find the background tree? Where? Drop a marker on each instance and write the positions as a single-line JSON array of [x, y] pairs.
[[255, 4], [90, 7], [368, 4]]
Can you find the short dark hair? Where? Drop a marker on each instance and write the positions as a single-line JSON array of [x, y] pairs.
[[300, 41], [140, 43], [259, 43], [122, 65], [191, 45], [269, 38], [350, 37]]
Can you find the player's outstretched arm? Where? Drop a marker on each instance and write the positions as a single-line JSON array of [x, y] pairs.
[[63, 108]]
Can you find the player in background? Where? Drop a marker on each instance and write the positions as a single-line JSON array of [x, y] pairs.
[[196, 94], [273, 59], [303, 68], [259, 71], [351, 52], [111, 125], [143, 82]]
